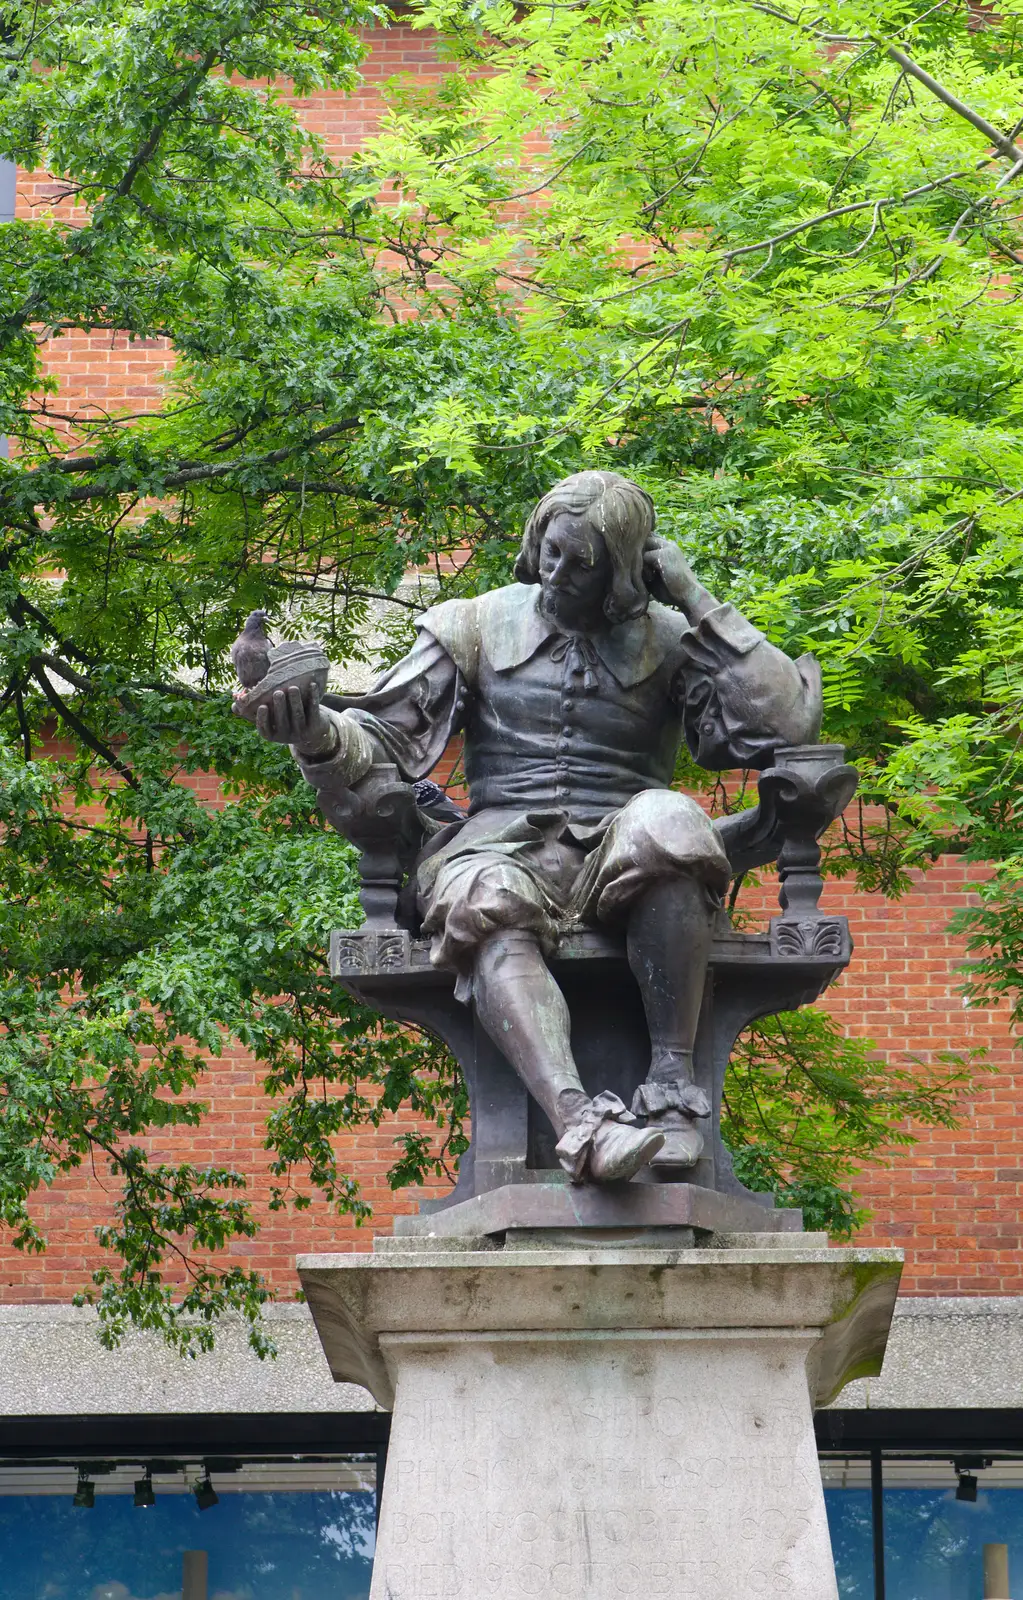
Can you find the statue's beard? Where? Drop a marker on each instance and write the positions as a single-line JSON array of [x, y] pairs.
[[573, 609]]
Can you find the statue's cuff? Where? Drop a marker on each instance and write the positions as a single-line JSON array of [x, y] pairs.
[[575, 1143], [724, 625], [346, 759], [654, 1099]]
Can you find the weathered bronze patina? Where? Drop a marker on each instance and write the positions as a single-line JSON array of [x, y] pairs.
[[574, 689]]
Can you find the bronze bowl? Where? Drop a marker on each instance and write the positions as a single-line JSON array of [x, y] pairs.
[[295, 663]]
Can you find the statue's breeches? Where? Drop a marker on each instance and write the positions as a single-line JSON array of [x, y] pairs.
[[535, 872]]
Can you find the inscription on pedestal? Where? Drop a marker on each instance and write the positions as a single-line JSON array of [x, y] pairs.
[[604, 1470]]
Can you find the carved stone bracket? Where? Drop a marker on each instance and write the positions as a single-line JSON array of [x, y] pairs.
[[815, 938], [366, 951]]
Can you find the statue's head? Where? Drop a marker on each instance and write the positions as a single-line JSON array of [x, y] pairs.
[[586, 538]]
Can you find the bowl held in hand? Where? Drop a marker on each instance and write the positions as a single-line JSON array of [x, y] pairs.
[[295, 663]]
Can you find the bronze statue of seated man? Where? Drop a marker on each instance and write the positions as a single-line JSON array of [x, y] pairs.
[[574, 688]]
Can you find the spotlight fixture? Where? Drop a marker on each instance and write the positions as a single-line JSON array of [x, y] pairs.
[[205, 1494], [144, 1495], [966, 1469], [85, 1493]]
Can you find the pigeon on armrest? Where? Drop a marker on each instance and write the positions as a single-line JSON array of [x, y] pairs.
[[431, 799]]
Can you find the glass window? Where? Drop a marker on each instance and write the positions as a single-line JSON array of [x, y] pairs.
[[953, 1528], [937, 1545], [288, 1530], [847, 1497]]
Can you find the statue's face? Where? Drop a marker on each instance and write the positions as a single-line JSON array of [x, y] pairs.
[[575, 572]]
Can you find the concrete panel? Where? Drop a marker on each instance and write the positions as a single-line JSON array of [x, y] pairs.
[[950, 1353], [52, 1363]]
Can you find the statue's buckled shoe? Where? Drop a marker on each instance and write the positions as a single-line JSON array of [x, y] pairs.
[[572, 1151], [673, 1108], [604, 1143], [683, 1143], [618, 1151]]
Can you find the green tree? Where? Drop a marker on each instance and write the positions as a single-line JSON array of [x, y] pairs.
[[763, 262]]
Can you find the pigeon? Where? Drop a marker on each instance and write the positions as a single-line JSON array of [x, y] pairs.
[[251, 651], [430, 797]]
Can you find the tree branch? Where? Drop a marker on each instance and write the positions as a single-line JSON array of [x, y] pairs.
[[186, 472], [82, 240], [1004, 145], [26, 733], [66, 672], [21, 608], [148, 148], [843, 211], [84, 733]]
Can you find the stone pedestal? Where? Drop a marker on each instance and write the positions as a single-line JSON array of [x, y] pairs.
[[599, 1423]]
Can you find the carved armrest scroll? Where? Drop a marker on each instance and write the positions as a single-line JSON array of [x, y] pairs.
[[380, 817], [806, 789], [388, 821]]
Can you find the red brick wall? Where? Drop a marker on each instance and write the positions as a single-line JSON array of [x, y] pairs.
[[232, 1134], [955, 1202]]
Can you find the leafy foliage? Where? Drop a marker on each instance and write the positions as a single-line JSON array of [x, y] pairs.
[[763, 262], [805, 1109]]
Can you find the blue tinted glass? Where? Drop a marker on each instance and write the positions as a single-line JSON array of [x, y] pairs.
[[934, 1543], [851, 1541], [261, 1546]]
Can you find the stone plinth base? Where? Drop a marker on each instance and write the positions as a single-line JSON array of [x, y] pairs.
[[597, 1424], [554, 1203]]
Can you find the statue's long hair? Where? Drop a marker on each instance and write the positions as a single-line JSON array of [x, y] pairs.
[[620, 512]]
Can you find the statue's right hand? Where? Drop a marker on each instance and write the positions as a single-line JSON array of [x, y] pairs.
[[293, 716]]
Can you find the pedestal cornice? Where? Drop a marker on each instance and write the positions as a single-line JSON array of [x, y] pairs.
[[843, 1299]]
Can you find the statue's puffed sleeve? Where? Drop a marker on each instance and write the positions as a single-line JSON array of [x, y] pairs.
[[742, 697], [407, 717]]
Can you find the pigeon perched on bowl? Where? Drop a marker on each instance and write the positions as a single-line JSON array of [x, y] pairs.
[[295, 663], [251, 651]]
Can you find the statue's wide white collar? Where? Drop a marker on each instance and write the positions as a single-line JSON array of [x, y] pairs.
[[509, 627]]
